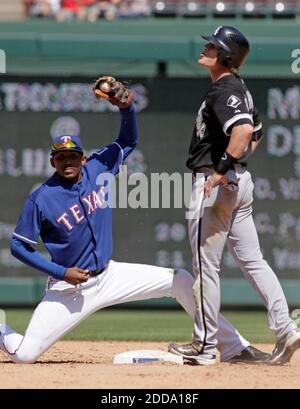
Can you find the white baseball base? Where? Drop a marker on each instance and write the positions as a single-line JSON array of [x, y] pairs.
[[146, 356]]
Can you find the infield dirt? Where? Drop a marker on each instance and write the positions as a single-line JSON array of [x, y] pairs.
[[84, 364]]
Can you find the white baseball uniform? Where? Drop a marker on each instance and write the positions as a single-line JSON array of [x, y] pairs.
[[64, 306]]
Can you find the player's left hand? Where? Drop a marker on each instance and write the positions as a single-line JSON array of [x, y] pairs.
[[116, 92], [214, 180]]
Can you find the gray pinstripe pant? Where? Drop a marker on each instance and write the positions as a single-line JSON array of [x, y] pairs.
[[226, 218]]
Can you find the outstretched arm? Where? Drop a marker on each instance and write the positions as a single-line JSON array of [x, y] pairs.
[[118, 94], [128, 134]]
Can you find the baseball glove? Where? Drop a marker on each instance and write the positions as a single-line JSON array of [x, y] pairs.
[[116, 92]]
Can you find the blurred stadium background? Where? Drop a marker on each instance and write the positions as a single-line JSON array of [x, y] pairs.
[[51, 53]]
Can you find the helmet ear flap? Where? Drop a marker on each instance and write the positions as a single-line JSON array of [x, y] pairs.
[[225, 60]]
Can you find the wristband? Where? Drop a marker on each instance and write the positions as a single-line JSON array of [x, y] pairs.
[[257, 135], [227, 161]]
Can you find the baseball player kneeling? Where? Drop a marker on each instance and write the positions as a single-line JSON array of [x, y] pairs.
[[67, 213]]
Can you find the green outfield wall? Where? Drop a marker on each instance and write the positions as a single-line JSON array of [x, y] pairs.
[[136, 47], [234, 292]]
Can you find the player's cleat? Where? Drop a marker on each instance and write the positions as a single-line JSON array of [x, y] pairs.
[[251, 355], [285, 348], [191, 354]]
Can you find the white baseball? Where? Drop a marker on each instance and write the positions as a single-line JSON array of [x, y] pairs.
[[105, 87]]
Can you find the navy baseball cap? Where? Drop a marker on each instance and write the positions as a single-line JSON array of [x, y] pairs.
[[66, 143]]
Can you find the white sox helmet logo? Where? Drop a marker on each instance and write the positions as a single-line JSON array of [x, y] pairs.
[[217, 30]]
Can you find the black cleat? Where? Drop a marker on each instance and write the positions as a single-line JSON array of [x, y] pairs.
[[251, 355], [191, 354], [285, 348]]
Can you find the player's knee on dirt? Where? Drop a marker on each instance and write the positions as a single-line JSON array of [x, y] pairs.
[[25, 358], [28, 352]]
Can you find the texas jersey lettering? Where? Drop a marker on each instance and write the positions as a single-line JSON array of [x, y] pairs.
[[78, 212]]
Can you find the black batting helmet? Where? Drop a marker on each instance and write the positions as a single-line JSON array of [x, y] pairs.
[[233, 46]]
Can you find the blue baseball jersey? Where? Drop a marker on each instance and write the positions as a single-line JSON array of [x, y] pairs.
[[71, 218]]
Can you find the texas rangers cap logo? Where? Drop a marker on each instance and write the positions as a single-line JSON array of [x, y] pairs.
[[233, 101], [66, 139], [66, 142]]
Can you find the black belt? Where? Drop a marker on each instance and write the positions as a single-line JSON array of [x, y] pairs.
[[95, 273]]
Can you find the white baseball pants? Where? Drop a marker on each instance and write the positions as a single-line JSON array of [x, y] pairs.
[[65, 306]]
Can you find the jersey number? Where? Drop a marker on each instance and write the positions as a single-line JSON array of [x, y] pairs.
[[249, 101], [200, 124]]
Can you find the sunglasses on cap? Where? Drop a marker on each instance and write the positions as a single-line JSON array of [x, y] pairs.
[[66, 145]]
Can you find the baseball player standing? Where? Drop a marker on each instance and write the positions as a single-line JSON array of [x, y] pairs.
[[227, 130], [67, 212]]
